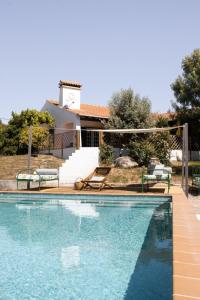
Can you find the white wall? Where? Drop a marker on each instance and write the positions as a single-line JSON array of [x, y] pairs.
[[61, 153], [176, 155], [79, 165], [61, 115], [70, 96]]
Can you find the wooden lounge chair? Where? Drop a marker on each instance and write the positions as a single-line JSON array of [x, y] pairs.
[[98, 178]]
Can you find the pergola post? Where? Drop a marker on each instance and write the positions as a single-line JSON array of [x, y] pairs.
[[78, 135], [186, 159], [29, 147], [183, 159], [101, 140], [29, 153]]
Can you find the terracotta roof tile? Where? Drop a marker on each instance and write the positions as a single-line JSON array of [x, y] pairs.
[[92, 110], [164, 115], [89, 110], [70, 83]]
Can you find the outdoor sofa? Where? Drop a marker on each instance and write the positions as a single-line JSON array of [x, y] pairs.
[[196, 178], [37, 175]]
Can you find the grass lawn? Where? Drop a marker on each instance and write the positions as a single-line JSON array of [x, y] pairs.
[[177, 167], [10, 165], [127, 176]]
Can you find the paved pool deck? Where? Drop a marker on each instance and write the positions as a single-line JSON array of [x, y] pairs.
[[186, 247], [186, 233]]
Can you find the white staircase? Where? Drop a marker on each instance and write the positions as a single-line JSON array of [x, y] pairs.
[[79, 165]]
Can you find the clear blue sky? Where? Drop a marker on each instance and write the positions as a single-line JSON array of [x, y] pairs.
[[106, 45]]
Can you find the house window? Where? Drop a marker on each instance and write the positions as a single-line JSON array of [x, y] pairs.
[[89, 138]]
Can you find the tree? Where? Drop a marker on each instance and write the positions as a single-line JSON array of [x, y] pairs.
[[2, 135], [106, 154], [128, 110], [154, 145], [187, 93], [40, 137], [16, 132], [186, 88], [192, 117], [31, 117], [141, 151]]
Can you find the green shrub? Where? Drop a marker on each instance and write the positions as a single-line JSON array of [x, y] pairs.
[[156, 145], [106, 154], [161, 143], [14, 136], [141, 152]]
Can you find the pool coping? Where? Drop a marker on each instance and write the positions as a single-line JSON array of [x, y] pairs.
[[186, 249]]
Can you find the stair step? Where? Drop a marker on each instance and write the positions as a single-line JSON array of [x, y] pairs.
[[80, 164]]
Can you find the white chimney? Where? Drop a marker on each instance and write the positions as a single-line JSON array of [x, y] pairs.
[[69, 94]]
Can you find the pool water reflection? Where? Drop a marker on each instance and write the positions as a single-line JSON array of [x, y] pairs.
[[67, 249]]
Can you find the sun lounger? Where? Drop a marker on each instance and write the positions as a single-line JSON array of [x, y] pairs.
[[98, 178], [157, 174], [37, 175]]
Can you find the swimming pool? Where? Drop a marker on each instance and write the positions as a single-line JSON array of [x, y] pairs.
[[85, 247]]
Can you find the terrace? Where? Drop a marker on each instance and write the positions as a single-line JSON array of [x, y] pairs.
[[186, 216], [186, 232]]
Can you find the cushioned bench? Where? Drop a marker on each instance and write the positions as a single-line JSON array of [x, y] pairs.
[[157, 174], [37, 175], [196, 178]]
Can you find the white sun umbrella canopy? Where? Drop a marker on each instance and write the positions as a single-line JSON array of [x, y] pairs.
[[133, 130]]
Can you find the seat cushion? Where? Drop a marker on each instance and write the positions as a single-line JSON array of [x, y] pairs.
[[97, 178], [48, 177], [196, 181], [47, 171], [28, 177], [167, 170], [157, 177], [158, 170]]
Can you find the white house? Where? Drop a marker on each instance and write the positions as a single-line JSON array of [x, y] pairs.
[[71, 114], [71, 140]]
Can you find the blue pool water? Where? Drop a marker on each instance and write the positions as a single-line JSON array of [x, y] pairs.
[[85, 248]]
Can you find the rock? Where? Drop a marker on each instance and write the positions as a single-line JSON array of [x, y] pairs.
[[125, 162]]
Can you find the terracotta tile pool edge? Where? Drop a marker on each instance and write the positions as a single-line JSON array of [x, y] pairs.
[[186, 249]]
